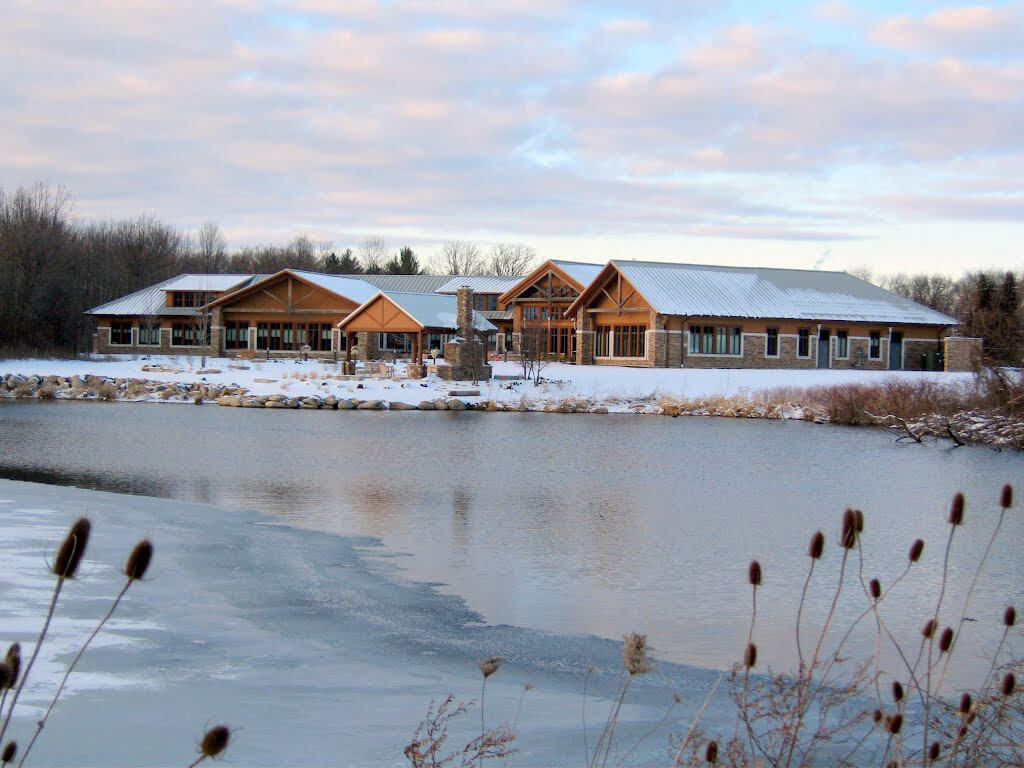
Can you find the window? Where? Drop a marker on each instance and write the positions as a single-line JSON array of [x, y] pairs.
[[236, 335], [875, 347], [190, 298], [149, 335], [771, 342], [120, 332], [630, 340], [187, 335], [485, 301], [715, 340], [261, 335], [601, 348], [275, 336], [803, 343], [842, 344], [558, 341], [530, 313]]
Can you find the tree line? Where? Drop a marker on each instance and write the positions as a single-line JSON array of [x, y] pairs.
[[54, 268]]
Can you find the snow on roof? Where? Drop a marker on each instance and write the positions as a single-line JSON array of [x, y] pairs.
[[435, 310], [356, 289], [148, 301], [480, 283], [698, 289], [582, 272], [214, 283], [406, 283]]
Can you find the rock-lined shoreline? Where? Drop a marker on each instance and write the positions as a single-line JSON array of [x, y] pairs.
[[969, 427]]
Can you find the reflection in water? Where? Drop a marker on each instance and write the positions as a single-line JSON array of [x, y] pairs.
[[564, 523]]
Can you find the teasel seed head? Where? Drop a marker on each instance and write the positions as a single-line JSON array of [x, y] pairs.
[[897, 690], [916, 549], [5, 676], [1006, 499], [1009, 684], [848, 538], [215, 741], [946, 640], [934, 751], [876, 588], [956, 512], [893, 723], [10, 750], [754, 574], [1009, 616], [965, 704], [877, 716], [750, 656], [13, 661], [929, 628], [711, 753], [489, 666], [72, 550], [634, 654], [817, 547], [138, 560], [858, 521]]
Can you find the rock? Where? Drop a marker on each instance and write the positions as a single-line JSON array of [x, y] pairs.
[[396, 406], [330, 402], [208, 370], [455, 405], [253, 403], [465, 393], [426, 405], [441, 404], [310, 402], [276, 404], [600, 409], [265, 381], [232, 401], [293, 402], [344, 404], [371, 405]]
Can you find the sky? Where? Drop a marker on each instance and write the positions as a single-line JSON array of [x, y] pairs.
[[811, 135]]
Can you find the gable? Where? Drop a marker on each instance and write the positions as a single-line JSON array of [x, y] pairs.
[[290, 294], [382, 315], [614, 293]]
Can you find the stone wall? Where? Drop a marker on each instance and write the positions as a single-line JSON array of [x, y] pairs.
[[963, 353], [915, 354]]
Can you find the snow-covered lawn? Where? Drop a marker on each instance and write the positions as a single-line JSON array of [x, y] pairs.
[[617, 388]]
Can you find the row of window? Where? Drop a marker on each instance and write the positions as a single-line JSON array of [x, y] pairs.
[[149, 335], [727, 340], [292, 336], [191, 298], [533, 312], [620, 341]]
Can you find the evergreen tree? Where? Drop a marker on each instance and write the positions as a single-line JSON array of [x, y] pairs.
[[348, 264], [405, 263], [331, 264]]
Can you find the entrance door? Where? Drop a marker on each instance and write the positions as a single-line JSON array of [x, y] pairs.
[[895, 351], [823, 339]]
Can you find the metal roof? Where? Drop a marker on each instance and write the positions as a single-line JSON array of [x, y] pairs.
[[496, 314], [582, 272], [148, 301], [353, 288], [480, 283], [435, 310], [406, 283], [214, 283], [704, 290]]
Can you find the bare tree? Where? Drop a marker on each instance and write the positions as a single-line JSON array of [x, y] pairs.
[[211, 249], [511, 259], [373, 252], [533, 349], [458, 257]]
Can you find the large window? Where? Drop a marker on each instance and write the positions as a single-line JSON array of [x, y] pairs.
[[803, 343], [190, 298], [842, 344], [533, 312], [875, 347], [188, 335], [149, 335], [715, 340], [601, 341], [630, 340], [236, 335], [485, 301], [771, 342], [559, 342], [120, 332]]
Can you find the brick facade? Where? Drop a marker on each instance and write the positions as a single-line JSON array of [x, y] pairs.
[[962, 353]]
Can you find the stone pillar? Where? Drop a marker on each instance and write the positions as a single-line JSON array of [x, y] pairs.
[[369, 345], [657, 343], [584, 337], [250, 343], [464, 311], [962, 353], [674, 349]]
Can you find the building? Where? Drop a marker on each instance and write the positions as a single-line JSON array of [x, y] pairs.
[[656, 314], [537, 304]]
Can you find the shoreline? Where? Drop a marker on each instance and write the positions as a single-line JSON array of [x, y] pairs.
[[823, 397]]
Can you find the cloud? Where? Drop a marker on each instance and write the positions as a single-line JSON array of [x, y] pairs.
[[978, 29]]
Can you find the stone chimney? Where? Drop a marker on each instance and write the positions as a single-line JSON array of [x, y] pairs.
[[464, 311]]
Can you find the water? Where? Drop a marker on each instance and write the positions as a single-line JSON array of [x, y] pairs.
[[579, 526]]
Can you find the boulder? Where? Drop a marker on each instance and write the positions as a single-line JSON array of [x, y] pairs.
[[276, 404], [233, 401], [455, 405], [426, 405], [344, 404], [371, 405], [310, 402], [396, 406], [441, 404]]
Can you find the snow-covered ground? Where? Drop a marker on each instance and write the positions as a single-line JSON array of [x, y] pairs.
[[615, 388]]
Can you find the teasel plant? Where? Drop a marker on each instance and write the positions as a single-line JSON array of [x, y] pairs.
[[822, 712], [134, 569], [64, 567]]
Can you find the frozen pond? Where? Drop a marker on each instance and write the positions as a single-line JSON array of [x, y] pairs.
[[301, 591]]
